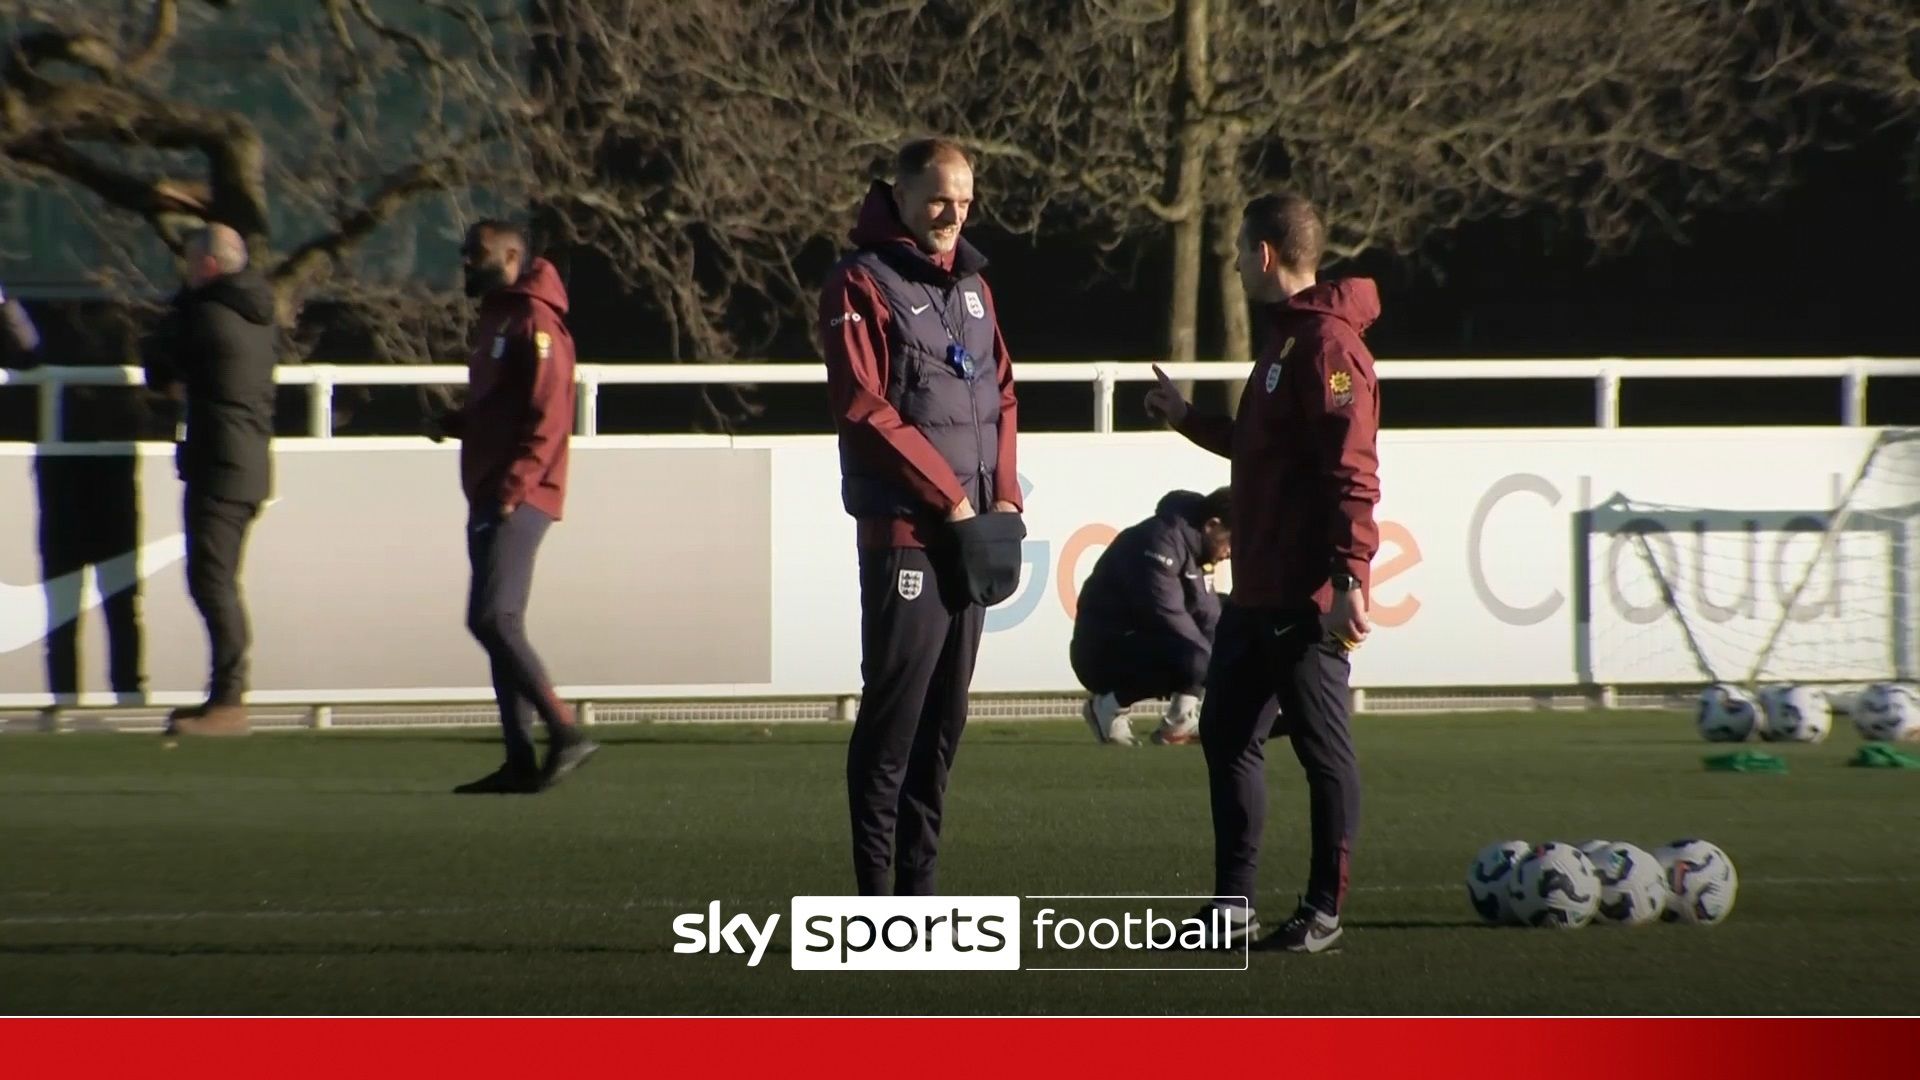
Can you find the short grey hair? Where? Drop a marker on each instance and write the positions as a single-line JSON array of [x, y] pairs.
[[223, 244]]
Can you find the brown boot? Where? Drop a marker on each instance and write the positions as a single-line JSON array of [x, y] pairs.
[[211, 719]]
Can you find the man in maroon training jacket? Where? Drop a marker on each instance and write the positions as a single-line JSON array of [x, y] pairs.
[[513, 432], [922, 394], [1305, 483]]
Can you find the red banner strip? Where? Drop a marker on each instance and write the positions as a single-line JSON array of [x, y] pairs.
[[924, 1049]]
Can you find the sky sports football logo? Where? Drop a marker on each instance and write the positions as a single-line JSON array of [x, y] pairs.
[[974, 933]]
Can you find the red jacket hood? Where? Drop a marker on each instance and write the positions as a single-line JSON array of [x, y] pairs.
[[540, 282], [879, 226], [1354, 301], [878, 222]]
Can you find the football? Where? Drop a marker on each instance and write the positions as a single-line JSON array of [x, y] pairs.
[[1592, 848], [1554, 885], [1488, 877], [1796, 714], [1726, 714], [1887, 712], [1701, 882], [1633, 885]]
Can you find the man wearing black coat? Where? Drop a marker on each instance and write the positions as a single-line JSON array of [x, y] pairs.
[[215, 350], [1144, 626]]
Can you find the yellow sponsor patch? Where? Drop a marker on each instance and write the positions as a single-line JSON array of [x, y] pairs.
[[543, 342], [1341, 384]]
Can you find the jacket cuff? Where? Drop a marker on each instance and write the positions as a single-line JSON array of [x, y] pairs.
[[1007, 489], [1361, 569]]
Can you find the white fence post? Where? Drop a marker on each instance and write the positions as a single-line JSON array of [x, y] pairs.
[[320, 403], [1104, 378], [49, 402], [1853, 398], [586, 406], [1606, 390]]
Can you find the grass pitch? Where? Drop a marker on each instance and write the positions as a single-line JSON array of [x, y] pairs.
[[332, 873]]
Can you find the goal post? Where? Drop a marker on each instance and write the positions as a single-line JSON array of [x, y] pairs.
[[1802, 594]]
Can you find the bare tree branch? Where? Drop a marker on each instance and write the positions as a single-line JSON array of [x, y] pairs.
[[713, 152], [295, 271], [347, 116], [160, 34]]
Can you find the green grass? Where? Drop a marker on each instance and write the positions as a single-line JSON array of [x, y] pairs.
[[330, 872]]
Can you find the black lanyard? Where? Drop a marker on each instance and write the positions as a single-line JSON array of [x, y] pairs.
[[940, 310], [959, 360]]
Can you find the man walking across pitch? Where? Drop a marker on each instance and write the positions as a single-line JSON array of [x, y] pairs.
[[215, 351], [1305, 483], [514, 429], [923, 400]]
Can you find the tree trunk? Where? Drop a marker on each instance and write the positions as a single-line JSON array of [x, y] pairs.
[[1228, 198], [1195, 88], [1184, 304]]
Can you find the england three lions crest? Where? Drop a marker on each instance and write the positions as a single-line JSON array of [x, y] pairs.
[[910, 583], [974, 307]]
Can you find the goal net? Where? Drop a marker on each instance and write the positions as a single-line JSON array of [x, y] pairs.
[[1803, 594]]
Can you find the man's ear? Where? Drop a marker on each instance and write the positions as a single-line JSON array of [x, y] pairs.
[[903, 194]]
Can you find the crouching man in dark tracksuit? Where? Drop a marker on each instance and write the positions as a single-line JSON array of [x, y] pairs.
[[1305, 483], [513, 430], [1144, 625], [922, 394]]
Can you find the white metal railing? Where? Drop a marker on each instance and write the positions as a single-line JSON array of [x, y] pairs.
[[1606, 375]]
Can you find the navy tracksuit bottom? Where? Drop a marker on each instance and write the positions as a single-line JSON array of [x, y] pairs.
[[1137, 665], [501, 551], [917, 650], [1263, 659]]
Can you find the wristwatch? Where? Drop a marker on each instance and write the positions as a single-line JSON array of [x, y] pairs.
[[1344, 581]]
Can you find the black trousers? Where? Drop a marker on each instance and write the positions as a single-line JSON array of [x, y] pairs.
[[216, 543], [89, 520], [1137, 666], [917, 651], [501, 552], [1264, 659]]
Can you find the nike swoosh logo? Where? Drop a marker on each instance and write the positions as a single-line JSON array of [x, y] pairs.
[[28, 613], [921, 308]]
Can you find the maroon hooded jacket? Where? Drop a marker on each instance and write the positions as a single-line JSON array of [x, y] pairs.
[[1305, 462], [856, 329], [518, 415]]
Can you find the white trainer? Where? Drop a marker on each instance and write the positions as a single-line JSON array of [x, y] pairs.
[[1106, 720], [1181, 725]]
